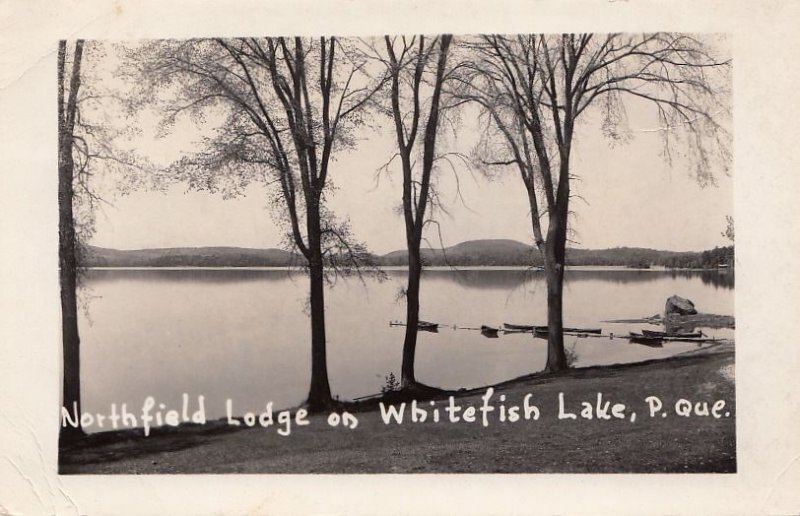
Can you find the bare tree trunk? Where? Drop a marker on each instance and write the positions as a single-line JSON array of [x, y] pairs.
[[319, 394], [414, 208], [554, 271], [71, 388], [68, 282], [408, 377], [555, 261]]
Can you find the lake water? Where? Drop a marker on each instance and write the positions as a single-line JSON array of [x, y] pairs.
[[245, 335]]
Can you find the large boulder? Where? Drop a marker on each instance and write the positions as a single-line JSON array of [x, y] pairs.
[[679, 305]]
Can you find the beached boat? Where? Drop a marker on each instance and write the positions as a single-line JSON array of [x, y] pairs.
[[518, 327], [663, 334], [421, 325], [640, 337], [428, 326], [653, 342], [544, 331]]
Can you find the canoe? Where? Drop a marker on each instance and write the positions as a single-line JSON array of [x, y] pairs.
[[518, 327], [653, 342], [584, 330], [544, 330], [662, 334], [639, 337]]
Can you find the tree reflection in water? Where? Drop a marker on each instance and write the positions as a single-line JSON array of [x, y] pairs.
[[513, 278]]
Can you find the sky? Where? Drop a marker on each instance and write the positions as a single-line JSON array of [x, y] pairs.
[[625, 195]]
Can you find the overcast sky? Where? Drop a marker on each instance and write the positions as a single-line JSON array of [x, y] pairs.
[[629, 196]]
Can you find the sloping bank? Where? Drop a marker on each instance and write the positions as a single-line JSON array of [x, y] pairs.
[[594, 419]]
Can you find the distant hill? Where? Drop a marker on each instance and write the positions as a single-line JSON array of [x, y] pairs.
[[474, 252]]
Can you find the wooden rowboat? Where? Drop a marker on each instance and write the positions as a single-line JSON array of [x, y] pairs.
[[641, 338], [421, 325], [653, 342], [428, 326], [544, 330], [518, 327], [662, 334]]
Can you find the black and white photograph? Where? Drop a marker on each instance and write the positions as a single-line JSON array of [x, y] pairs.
[[326, 262], [400, 254]]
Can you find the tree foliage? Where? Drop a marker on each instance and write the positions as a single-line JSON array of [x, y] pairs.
[[88, 159], [729, 230], [283, 108], [534, 89], [277, 110]]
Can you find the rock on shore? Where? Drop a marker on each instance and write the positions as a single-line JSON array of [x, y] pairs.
[[679, 305]]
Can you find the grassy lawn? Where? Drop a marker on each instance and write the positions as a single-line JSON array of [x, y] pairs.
[[549, 444]]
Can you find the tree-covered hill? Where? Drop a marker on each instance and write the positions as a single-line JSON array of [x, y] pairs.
[[471, 253]]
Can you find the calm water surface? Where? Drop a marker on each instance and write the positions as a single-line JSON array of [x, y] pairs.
[[245, 335]]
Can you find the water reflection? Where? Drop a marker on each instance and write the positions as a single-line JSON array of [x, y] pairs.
[[245, 334], [189, 275], [514, 278], [718, 279], [471, 278]]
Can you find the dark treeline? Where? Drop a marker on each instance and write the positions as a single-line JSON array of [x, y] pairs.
[[473, 253], [719, 256], [619, 256], [188, 257]]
